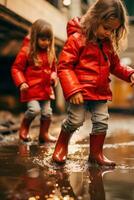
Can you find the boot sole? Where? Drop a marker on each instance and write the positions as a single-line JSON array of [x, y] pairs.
[[94, 162]]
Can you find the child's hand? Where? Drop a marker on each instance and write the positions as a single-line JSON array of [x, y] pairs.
[[77, 98], [54, 79], [54, 82], [24, 87], [132, 79]]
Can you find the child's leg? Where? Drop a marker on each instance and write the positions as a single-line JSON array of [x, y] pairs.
[[45, 121], [32, 111], [75, 119], [99, 119]]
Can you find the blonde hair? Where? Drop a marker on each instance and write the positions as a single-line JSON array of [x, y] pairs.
[[41, 29], [101, 11]]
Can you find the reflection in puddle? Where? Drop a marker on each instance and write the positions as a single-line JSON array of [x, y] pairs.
[[125, 167], [119, 145], [28, 173]]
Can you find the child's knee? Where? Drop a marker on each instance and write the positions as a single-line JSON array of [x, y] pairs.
[[99, 127], [33, 112], [72, 126]]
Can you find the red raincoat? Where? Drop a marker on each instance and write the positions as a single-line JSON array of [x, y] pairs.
[[38, 78], [86, 68]]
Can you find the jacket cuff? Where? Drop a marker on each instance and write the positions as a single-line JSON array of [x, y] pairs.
[[69, 83]]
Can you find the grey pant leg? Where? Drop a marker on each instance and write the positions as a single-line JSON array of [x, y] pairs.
[[100, 116], [33, 109], [46, 110], [75, 118]]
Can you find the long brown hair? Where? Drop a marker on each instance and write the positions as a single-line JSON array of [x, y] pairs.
[[102, 10], [40, 29]]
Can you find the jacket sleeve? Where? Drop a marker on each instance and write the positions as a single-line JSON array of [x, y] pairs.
[[66, 67], [119, 70], [17, 70]]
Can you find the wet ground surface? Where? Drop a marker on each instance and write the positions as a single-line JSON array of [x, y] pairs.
[[28, 173]]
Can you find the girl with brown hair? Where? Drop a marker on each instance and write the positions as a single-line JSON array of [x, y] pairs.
[[34, 73], [85, 64]]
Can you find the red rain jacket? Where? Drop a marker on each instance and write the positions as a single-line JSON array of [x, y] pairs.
[[83, 67], [38, 78]]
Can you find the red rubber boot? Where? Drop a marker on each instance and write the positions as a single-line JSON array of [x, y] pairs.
[[44, 136], [24, 130], [96, 150], [61, 149]]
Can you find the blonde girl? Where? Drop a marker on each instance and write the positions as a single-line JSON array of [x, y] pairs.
[[34, 73]]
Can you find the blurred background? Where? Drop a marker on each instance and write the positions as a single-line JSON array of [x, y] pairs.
[[16, 17]]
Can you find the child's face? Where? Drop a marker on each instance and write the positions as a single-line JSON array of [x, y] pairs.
[[43, 43], [105, 29]]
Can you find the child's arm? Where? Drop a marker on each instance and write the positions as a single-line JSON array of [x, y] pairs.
[[121, 71], [54, 78], [66, 67], [132, 79], [17, 70]]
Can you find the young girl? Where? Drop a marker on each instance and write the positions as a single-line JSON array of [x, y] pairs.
[[87, 59], [34, 73]]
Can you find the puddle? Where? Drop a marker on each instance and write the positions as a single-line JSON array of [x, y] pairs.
[[28, 173]]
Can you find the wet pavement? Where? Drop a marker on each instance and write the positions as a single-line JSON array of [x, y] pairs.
[[28, 173]]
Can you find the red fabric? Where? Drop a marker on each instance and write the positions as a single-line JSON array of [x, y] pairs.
[[96, 150], [38, 78], [82, 67], [44, 135], [24, 129], [61, 148]]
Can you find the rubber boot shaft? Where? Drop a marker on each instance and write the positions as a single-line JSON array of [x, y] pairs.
[[96, 150], [24, 129], [61, 149], [44, 135]]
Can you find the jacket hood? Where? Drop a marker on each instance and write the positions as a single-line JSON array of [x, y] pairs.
[[73, 26], [26, 40]]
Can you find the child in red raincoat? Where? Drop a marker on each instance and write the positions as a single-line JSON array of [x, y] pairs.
[[87, 59], [34, 73]]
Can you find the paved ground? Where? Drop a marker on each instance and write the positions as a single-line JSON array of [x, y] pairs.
[[28, 173]]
